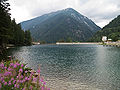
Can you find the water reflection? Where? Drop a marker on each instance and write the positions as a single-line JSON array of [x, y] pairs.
[[92, 65]]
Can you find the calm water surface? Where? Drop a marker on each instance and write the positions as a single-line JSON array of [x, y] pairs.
[[92, 65]]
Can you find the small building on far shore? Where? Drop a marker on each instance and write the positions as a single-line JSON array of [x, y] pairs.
[[104, 38], [109, 40], [35, 43]]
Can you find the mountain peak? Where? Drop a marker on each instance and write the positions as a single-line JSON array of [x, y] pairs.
[[59, 25], [69, 9]]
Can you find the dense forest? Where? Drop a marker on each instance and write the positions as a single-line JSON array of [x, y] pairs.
[[112, 31], [10, 31]]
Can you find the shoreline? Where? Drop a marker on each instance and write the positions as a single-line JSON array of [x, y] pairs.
[[73, 43]]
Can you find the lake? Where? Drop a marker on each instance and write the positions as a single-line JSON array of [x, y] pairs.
[[74, 67]]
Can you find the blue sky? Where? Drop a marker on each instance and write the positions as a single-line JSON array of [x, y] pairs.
[[100, 11]]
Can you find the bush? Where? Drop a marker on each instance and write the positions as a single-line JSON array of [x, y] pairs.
[[14, 75]]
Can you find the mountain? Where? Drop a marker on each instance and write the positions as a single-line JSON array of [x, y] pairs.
[[112, 31], [62, 24]]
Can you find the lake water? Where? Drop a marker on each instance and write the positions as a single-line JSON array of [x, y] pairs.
[[74, 67]]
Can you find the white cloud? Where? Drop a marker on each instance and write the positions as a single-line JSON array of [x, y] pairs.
[[100, 11]]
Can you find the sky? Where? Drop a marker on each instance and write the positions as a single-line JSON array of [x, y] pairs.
[[99, 11]]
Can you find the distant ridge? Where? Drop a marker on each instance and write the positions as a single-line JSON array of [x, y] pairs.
[[111, 30], [61, 25]]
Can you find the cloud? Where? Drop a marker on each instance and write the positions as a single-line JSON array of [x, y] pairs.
[[100, 11]]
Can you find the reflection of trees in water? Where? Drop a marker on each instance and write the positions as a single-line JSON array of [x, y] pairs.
[[3, 53]]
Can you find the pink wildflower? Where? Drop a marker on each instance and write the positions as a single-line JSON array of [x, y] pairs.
[[9, 83], [30, 87], [9, 69], [2, 65], [42, 88], [44, 83], [26, 71], [15, 85], [20, 70], [34, 79], [22, 65], [7, 73], [11, 64], [0, 85], [26, 78], [38, 71], [15, 65], [5, 83], [21, 76], [18, 86], [5, 67], [14, 81]]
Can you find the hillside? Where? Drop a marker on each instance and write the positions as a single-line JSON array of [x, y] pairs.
[[112, 31], [61, 25]]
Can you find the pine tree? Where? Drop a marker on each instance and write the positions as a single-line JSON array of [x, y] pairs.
[[28, 38], [5, 22]]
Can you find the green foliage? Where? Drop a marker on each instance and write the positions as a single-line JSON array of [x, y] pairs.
[[28, 38], [69, 39], [5, 22], [42, 42], [10, 32], [112, 30], [15, 76]]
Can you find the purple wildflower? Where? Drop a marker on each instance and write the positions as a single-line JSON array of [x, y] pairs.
[[17, 76], [38, 70], [26, 71], [1, 79], [5, 83], [0, 85], [26, 78], [5, 67], [22, 65], [15, 85], [14, 81], [18, 81], [10, 69], [20, 70], [42, 88], [18, 86], [11, 64], [23, 89], [2, 65], [15, 65], [21, 76], [44, 83], [6, 73], [34, 79], [30, 87], [9, 83], [42, 80]]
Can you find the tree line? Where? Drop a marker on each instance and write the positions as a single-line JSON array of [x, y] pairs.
[[10, 31], [112, 31]]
